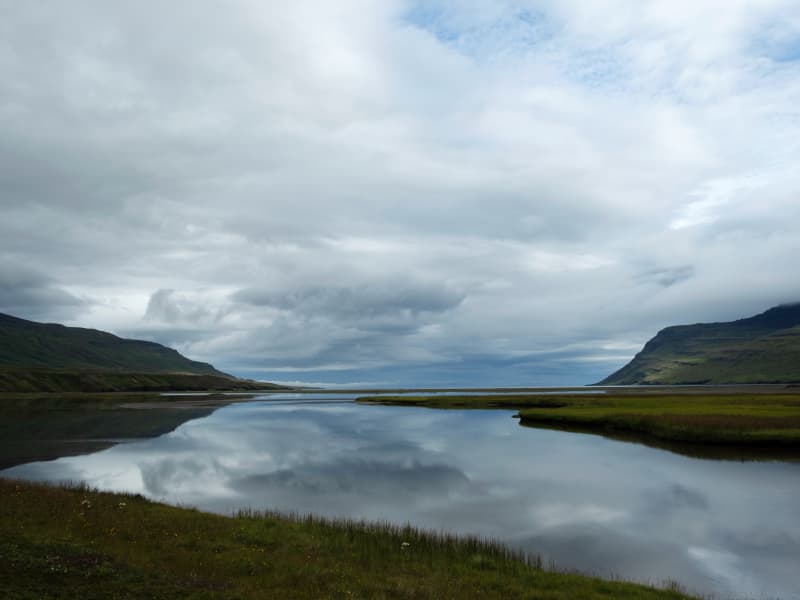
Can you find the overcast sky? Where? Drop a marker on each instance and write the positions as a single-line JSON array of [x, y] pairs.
[[476, 192]]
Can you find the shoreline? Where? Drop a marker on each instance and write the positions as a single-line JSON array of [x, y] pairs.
[[102, 544], [742, 417]]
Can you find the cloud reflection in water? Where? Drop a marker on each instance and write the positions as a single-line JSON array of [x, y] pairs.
[[584, 501]]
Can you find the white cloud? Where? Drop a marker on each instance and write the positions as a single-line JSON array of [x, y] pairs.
[[539, 175]]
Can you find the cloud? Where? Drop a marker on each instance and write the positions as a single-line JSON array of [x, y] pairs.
[[170, 307], [362, 311], [450, 183], [32, 295], [666, 276]]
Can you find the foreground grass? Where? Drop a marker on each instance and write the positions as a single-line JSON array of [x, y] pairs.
[[60, 542], [732, 418]]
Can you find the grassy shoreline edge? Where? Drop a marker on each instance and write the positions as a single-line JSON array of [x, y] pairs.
[[745, 418], [74, 542]]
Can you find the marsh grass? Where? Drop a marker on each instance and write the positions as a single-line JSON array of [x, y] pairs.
[[74, 542], [733, 418], [747, 420]]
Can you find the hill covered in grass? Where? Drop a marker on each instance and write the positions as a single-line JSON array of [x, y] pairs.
[[44, 380], [760, 349], [28, 344], [39, 357]]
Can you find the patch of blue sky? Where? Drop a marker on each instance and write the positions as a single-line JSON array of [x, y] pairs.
[[492, 34], [779, 46], [787, 53], [483, 34], [431, 18], [597, 68]]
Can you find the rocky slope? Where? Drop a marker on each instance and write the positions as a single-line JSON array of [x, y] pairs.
[[760, 349]]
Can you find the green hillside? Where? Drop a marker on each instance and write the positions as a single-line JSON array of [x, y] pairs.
[[43, 380], [760, 349], [30, 345]]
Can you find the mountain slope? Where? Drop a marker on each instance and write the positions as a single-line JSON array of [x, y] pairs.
[[760, 349], [30, 345]]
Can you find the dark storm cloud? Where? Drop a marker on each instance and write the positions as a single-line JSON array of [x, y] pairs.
[[389, 298], [667, 277], [375, 308], [32, 295]]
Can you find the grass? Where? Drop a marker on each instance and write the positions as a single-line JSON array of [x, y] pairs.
[[60, 542], [734, 417]]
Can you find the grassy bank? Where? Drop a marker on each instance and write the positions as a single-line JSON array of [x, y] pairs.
[[733, 417], [76, 543]]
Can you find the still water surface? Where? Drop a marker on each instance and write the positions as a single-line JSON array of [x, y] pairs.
[[585, 502]]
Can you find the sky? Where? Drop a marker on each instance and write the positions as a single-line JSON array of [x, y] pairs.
[[466, 192]]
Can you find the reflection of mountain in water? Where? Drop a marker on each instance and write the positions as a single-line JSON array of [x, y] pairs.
[[32, 435]]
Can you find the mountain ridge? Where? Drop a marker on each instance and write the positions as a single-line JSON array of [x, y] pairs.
[[764, 348], [28, 344]]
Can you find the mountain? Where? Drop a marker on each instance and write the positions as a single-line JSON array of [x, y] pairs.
[[27, 344], [760, 349]]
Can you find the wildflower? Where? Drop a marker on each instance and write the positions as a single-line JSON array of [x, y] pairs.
[[85, 502], [122, 505], [405, 546]]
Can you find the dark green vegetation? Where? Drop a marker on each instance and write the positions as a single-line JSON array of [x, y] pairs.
[[43, 380], [76, 543], [40, 357], [27, 344], [745, 416], [760, 349], [46, 426]]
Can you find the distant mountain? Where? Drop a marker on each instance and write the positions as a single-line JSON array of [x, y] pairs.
[[30, 345], [760, 349]]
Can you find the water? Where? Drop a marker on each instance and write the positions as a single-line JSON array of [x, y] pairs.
[[585, 502]]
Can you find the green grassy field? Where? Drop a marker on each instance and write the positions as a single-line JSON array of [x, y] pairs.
[[60, 542], [734, 417]]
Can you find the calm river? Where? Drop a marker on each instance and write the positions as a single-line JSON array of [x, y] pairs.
[[584, 502]]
